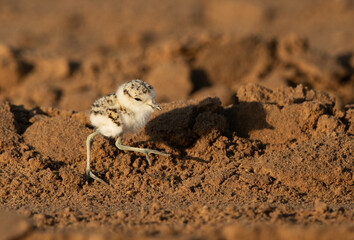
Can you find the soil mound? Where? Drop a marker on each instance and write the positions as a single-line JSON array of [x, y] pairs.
[[275, 156]]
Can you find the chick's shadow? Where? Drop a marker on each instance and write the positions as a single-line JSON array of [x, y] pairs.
[[180, 128], [175, 129]]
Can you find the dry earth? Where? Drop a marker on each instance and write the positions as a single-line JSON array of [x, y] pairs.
[[258, 115]]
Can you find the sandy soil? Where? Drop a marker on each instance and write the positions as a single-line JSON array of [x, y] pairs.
[[258, 115]]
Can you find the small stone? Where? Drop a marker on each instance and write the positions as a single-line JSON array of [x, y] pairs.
[[120, 214], [321, 207]]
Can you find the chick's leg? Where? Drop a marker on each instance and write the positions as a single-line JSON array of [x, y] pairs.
[[145, 151], [89, 173]]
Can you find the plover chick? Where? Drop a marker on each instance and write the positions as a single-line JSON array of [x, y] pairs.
[[125, 111]]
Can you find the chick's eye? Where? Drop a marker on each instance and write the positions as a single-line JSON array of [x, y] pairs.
[[137, 99]]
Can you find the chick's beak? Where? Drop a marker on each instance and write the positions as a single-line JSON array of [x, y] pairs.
[[152, 103], [155, 106]]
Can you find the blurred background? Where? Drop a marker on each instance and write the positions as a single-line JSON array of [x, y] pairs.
[[65, 54]]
